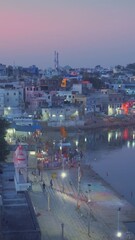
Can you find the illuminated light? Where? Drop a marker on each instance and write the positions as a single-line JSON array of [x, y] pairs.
[[76, 113], [63, 132], [10, 130], [60, 147], [125, 134], [85, 139], [109, 136], [9, 108], [125, 106], [63, 174], [64, 82], [128, 144], [119, 234], [53, 115], [61, 115], [116, 135], [32, 153], [76, 143], [133, 144]]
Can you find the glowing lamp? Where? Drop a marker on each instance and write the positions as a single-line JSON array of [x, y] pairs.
[[63, 174]]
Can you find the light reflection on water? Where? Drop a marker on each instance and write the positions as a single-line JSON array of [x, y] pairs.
[[111, 154], [113, 157]]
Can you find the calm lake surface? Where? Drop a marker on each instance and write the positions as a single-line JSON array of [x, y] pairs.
[[111, 153]]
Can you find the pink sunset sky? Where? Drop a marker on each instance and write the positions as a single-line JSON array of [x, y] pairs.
[[84, 32]]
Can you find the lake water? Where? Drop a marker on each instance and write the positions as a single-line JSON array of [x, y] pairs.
[[113, 158], [111, 153], [118, 168]]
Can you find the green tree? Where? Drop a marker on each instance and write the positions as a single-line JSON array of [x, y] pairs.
[[3, 144], [10, 71], [97, 83], [131, 66]]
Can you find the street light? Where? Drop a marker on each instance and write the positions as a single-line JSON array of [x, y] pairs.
[[89, 185], [78, 183], [89, 201], [61, 156], [63, 174], [78, 174], [119, 233]]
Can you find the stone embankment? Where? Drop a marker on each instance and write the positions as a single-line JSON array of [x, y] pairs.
[[97, 121], [109, 121]]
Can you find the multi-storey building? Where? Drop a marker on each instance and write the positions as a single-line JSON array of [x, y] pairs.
[[2, 70], [97, 102], [60, 114], [115, 103]]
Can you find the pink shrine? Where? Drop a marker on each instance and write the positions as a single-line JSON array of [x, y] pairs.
[[20, 160]]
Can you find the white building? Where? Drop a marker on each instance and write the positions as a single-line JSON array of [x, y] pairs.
[[77, 88], [11, 100], [13, 97], [97, 102], [67, 94], [60, 114]]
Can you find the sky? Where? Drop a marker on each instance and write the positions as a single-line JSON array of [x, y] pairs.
[[85, 33]]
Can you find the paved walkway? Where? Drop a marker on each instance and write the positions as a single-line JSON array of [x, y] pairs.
[[96, 216]]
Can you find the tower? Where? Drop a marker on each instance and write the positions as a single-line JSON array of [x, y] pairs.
[[56, 60]]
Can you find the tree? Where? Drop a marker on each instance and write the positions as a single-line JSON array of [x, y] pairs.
[[131, 66], [3, 144], [10, 71], [96, 82]]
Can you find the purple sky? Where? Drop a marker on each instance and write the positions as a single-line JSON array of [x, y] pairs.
[[84, 32]]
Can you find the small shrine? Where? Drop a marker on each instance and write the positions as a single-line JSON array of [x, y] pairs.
[[20, 160]]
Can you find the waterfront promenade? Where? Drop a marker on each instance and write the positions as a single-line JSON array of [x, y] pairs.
[[93, 215], [94, 121]]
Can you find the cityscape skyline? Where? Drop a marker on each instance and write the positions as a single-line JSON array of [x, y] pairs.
[[84, 33]]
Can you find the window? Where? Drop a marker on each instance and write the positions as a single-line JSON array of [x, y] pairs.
[[7, 93], [14, 93]]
